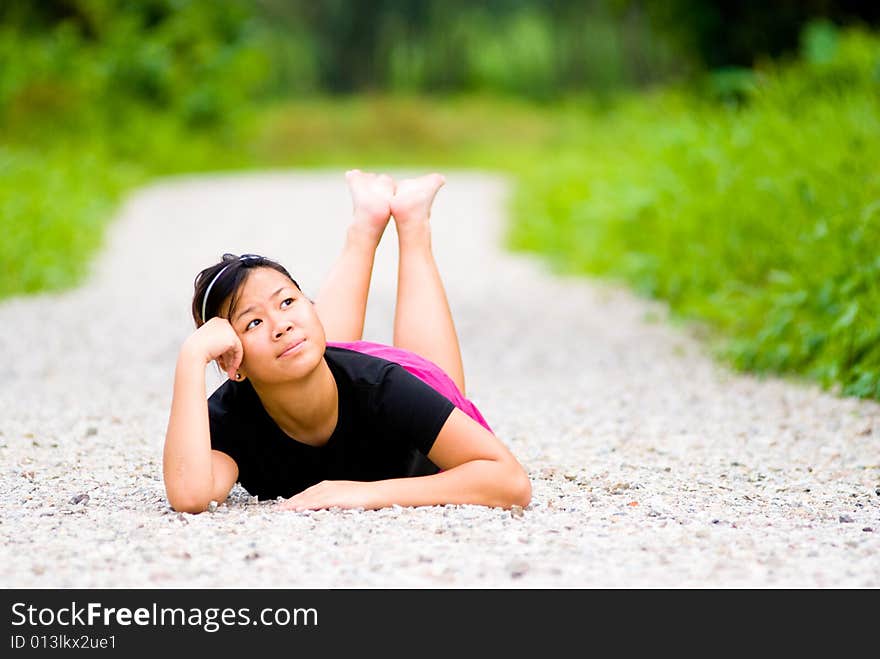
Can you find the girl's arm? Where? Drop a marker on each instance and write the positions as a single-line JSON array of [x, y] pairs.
[[478, 469], [194, 474]]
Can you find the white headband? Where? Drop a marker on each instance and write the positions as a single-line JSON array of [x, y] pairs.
[[216, 277]]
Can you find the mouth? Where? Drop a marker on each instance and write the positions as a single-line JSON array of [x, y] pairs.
[[292, 348]]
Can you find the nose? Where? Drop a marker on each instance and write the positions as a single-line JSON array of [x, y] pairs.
[[282, 326]]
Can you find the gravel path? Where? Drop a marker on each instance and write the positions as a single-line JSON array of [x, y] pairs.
[[651, 466]]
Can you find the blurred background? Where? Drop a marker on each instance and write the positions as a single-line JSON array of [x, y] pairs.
[[720, 156]]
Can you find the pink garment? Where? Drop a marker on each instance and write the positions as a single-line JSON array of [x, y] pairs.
[[426, 371]]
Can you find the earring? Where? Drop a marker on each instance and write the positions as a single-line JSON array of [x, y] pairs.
[[238, 376]]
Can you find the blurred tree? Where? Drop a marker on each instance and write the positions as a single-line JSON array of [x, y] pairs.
[[161, 51], [531, 47], [737, 33], [199, 60]]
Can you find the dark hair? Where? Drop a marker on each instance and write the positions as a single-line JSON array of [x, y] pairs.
[[237, 269]]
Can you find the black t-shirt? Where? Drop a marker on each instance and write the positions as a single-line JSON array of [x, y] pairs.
[[387, 423]]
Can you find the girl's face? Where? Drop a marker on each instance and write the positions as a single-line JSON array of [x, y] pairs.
[[280, 332]]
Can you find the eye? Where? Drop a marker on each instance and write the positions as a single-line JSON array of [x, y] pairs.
[[286, 301], [251, 324]]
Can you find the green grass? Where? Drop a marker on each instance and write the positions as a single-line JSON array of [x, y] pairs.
[[468, 131], [57, 196], [759, 219], [55, 205]]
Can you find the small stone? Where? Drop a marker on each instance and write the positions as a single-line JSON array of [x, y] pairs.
[[91, 431], [212, 506], [80, 498], [516, 511], [845, 519]]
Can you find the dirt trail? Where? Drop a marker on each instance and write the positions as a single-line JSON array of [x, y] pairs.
[[651, 466]]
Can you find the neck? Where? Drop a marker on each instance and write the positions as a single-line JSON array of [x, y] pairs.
[[305, 409]]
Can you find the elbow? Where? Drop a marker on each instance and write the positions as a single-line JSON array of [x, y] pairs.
[[522, 492], [193, 506], [183, 501], [184, 495], [519, 489]]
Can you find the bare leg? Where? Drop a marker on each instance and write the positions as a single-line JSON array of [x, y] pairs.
[[341, 303], [422, 318]]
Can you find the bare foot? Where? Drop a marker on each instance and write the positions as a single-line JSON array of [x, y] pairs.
[[412, 200], [371, 196]]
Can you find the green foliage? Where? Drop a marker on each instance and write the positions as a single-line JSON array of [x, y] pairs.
[[759, 218], [54, 209], [199, 62], [97, 96]]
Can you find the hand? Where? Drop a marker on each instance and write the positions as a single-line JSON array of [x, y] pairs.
[[371, 199], [329, 494], [216, 339], [414, 197]]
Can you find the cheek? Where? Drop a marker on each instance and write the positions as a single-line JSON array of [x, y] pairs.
[[312, 320], [251, 348]]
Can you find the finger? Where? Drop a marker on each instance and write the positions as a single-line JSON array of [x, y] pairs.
[[227, 363], [288, 504], [238, 354]]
